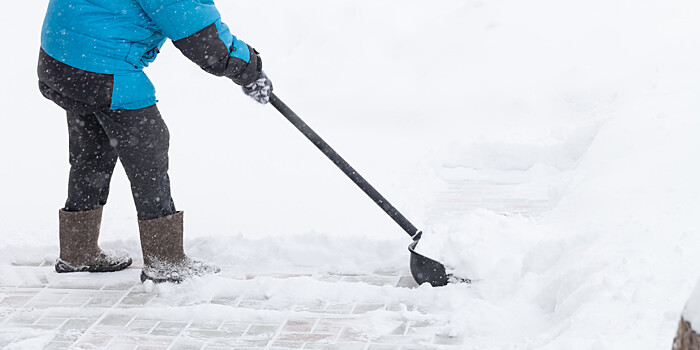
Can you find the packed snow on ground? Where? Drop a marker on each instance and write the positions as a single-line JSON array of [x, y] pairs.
[[592, 105]]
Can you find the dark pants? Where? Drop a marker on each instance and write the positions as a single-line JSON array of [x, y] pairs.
[[139, 139]]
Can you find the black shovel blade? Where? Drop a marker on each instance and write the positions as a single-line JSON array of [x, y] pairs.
[[425, 269]]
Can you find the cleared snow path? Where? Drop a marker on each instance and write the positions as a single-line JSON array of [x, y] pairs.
[[287, 302], [80, 311]]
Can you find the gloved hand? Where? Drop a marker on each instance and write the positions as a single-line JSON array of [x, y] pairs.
[[260, 89]]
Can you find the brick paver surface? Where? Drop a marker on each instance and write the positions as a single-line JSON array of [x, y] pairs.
[[82, 311], [76, 312]]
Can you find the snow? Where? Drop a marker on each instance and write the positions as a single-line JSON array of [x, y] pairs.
[[691, 313], [588, 109]]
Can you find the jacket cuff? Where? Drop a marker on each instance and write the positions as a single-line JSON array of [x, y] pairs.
[[250, 72]]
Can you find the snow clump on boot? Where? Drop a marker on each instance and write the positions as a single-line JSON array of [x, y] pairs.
[[161, 271]]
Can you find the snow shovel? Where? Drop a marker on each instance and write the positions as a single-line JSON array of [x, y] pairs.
[[423, 268]]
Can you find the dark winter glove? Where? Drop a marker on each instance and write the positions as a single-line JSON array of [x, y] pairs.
[[260, 89]]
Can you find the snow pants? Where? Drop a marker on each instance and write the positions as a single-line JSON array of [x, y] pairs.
[[139, 139]]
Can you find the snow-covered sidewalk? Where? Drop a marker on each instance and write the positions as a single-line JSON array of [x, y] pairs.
[[296, 307], [81, 312]]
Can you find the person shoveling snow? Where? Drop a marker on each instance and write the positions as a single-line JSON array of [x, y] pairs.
[[91, 64]]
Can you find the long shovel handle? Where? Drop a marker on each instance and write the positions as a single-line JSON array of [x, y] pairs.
[[345, 167]]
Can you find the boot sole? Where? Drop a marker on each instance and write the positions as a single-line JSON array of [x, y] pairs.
[[63, 267], [145, 278]]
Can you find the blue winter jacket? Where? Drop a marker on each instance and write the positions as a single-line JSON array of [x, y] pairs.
[[116, 39]]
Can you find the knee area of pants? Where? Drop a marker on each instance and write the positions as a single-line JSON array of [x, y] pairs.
[[142, 141]]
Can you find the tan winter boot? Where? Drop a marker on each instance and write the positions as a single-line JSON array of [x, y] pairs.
[[78, 234], [164, 258]]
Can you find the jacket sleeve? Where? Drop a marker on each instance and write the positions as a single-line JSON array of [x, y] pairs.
[[196, 29]]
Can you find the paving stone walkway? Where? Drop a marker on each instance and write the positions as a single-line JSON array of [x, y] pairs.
[[82, 313], [51, 311]]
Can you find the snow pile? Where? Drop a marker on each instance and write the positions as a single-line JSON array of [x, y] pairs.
[[691, 313], [609, 266], [612, 262]]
